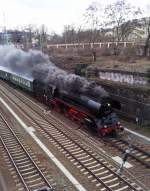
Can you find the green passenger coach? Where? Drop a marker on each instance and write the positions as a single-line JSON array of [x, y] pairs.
[[16, 79], [4, 75], [23, 82]]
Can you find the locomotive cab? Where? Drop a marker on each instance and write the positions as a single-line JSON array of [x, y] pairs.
[[105, 109]]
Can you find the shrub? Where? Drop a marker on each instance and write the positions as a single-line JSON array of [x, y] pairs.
[[128, 54], [104, 51]]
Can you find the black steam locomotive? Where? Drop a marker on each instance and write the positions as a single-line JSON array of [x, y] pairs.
[[87, 112], [96, 115]]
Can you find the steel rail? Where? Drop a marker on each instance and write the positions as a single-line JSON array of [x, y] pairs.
[[28, 155]]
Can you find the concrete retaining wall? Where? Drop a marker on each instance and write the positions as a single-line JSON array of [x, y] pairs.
[[135, 101]]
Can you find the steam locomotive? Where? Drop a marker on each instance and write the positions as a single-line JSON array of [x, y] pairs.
[[87, 112]]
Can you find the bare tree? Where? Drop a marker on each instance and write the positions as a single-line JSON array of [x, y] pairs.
[[43, 36], [28, 33], [146, 27], [147, 42], [118, 17], [54, 38], [92, 20], [69, 34], [79, 34]]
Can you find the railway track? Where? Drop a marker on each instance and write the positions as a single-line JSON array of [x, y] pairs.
[[136, 153], [92, 166], [29, 175]]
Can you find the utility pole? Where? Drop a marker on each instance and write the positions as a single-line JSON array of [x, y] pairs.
[[5, 30], [124, 159], [125, 156]]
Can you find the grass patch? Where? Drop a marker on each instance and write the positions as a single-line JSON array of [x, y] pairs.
[[141, 64]]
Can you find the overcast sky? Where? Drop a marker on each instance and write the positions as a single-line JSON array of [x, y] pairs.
[[53, 13]]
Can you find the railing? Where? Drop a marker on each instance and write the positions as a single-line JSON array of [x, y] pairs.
[[92, 45]]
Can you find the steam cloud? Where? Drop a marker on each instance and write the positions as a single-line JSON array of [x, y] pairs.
[[37, 65]]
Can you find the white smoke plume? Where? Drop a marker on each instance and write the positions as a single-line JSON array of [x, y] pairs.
[[37, 65]]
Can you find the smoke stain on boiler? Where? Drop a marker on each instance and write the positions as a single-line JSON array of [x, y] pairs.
[[37, 65]]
